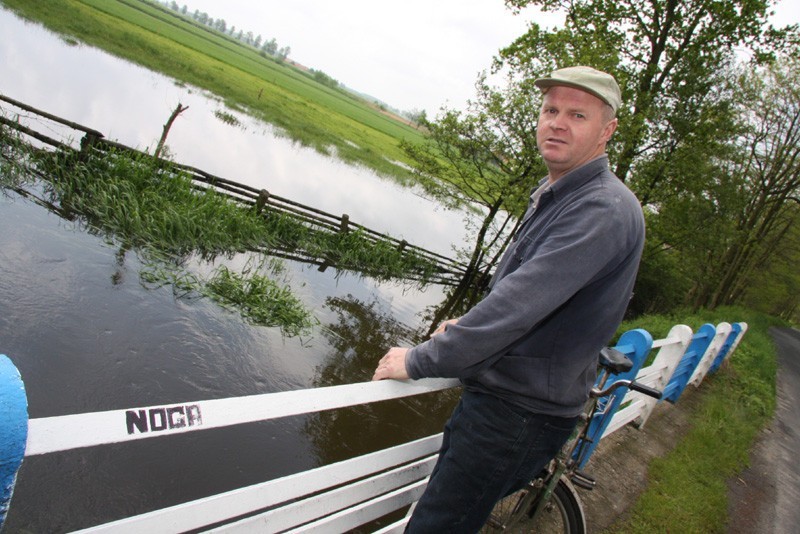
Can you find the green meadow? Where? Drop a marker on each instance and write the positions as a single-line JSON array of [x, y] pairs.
[[332, 121]]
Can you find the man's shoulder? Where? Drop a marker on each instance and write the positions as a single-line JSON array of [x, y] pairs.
[[604, 181]]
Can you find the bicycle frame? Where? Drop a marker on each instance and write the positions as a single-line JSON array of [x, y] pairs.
[[564, 468], [571, 455], [565, 461]]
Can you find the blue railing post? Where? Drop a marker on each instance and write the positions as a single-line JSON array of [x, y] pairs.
[[636, 345], [691, 358], [13, 430], [736, 331]]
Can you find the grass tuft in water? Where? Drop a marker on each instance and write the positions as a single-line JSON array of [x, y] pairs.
[[144, 206], [260, 300]]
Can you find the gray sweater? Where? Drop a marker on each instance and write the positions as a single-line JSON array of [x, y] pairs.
[[556, 299]]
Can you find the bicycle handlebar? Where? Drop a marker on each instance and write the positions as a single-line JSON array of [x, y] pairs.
[[647, 390], [636, 386]]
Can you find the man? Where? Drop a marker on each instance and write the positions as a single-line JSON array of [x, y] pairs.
[[527, 353]]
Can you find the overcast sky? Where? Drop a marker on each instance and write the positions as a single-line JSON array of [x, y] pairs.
[[413, 54]]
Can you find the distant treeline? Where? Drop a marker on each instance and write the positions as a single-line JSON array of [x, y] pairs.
[[268, 47]]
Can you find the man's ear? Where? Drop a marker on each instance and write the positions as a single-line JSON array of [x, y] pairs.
[[609, 129]]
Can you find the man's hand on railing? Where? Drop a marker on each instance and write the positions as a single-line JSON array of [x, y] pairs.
[[392, 365]]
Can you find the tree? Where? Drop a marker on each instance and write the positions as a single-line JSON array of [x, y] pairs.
[[417, 116], [485, 158], [270, 47], [660, 51], [766, 172], [775, 287], [324, 79], [670, 58]]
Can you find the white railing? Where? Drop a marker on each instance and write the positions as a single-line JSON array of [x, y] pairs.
[[656, 375], [64, 432], [340, 496]]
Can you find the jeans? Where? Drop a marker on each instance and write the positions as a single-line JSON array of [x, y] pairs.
[[490, 449]]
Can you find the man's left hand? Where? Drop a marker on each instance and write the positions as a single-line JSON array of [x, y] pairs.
[[392, 365]]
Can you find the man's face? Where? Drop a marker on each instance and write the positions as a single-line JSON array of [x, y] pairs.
[[573, 128]]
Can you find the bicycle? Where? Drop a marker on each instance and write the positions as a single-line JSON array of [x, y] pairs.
[[550, 503]]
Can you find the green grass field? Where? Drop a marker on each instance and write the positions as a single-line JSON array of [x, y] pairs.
[[329, 120]]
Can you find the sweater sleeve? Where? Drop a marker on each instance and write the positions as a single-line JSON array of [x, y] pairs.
[[576, 248]]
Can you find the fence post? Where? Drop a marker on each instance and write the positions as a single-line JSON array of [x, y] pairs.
[[90, 139], [344, 225], [736, 330], [13, 430], [691, 358], [261, 201], [723, 330], [666, 363], [744, 326]]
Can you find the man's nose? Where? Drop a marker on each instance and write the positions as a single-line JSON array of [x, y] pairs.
[[557, 122]]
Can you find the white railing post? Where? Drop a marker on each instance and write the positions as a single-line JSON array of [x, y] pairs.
[[744, 327], [723, 330], [737, 331], [658, 374]]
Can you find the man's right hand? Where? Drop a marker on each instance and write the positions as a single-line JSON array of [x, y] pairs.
[[392, 365]]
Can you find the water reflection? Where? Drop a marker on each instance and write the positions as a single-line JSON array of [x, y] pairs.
[[87, 336], [131, 104], [361, 330]]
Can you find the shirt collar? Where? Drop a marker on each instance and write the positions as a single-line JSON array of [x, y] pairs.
[[579, 176]]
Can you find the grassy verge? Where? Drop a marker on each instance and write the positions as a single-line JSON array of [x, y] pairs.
[[687, 489], [316, 115]]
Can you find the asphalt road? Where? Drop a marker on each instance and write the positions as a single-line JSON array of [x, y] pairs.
[[766, 497]]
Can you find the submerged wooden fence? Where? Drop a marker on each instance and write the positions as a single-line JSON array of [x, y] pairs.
[[344, 495], [447, 271]]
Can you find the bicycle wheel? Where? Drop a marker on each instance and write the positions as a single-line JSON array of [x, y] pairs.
[[563, 513]]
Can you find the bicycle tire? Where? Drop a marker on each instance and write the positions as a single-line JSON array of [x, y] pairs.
[[563, 513]]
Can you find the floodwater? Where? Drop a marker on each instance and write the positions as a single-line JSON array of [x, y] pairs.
[[88, 336]]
